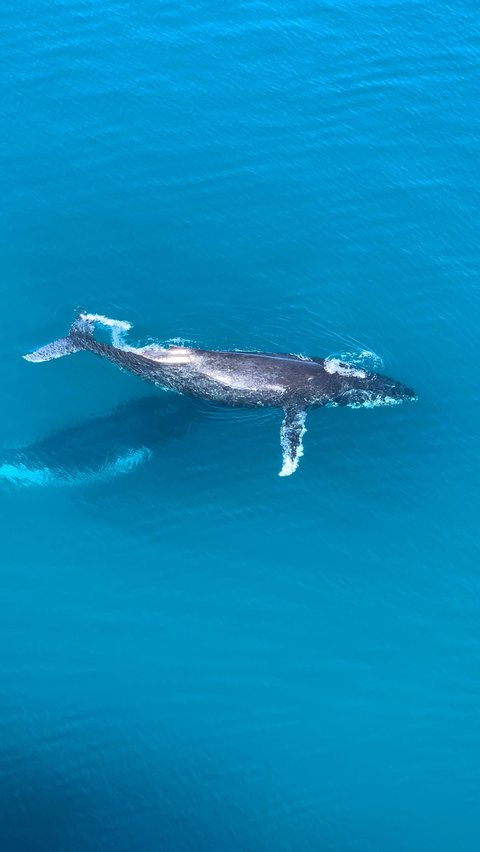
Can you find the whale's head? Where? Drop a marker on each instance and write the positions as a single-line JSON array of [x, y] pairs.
[[361, 389], [379, 390], [375, 390]]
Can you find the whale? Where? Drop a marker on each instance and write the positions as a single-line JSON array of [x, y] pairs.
[[100, 448], [293, 383]]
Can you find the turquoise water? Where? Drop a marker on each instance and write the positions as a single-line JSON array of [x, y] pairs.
[[195, 653]]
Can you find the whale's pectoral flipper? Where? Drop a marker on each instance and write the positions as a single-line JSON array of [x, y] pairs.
[[291, 434]]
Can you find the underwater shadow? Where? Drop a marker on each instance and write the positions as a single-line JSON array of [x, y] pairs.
[[56, 804], [101, 448]]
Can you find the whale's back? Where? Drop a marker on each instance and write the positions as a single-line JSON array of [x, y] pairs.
[[261, 378]]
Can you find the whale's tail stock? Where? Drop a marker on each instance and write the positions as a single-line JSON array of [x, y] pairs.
[[77, 338]]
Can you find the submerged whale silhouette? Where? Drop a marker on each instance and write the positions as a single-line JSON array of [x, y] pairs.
[[100, 448], [250, 379]]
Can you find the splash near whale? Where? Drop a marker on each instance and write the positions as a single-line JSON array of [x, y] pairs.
[[249, 379]]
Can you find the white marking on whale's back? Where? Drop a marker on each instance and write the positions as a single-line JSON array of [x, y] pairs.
[[240, 381], [171, 356]]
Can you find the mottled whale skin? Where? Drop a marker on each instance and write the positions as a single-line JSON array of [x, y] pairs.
[[248, 379]]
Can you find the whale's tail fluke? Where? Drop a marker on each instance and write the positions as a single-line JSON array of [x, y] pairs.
[[81, 330], [78, 337]]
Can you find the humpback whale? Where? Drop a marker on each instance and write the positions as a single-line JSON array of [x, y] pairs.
[[100, 448], [289, 382]]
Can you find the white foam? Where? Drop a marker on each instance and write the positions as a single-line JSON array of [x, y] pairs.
[[119, 327], [107, 321], [335, 365], [360, 359], [366, 358]]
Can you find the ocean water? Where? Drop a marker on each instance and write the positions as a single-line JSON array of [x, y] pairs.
[[196, 654]]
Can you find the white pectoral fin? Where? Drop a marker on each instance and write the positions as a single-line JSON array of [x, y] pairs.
[[291, 434]]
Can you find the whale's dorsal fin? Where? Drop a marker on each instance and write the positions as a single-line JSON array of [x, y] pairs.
[[291, 434]]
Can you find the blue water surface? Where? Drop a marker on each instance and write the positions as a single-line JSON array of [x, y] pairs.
[[196, 654]]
